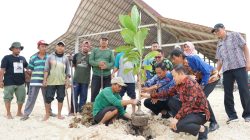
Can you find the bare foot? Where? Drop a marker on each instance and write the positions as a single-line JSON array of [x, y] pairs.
[[46, 117], [19, 114], [9, 116], [60, 117]]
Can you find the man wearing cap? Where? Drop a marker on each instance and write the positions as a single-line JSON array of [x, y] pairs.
[[108, 104], [56, 78], [102, 61], [12, 69], [82, 67], [234, 60], [36, 66]]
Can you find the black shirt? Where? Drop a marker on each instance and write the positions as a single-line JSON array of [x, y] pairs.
[[14, 69]]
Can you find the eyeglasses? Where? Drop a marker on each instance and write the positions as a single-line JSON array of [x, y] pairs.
[[157, 57]]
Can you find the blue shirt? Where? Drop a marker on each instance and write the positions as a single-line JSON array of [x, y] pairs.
[[148, 62], [164, 83], [198, 65]]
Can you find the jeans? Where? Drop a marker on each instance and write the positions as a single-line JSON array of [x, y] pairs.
[[96, 85], [80, 95], [240, 75]]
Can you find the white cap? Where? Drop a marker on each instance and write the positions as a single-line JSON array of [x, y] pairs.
[[118, 80]]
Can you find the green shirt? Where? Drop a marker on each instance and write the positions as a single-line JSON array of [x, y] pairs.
[[107, 98], [82, 68], [106, 56]]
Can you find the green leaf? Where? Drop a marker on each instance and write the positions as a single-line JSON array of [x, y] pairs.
[[135, 16], [126, 22], [151, 55], [126, 71], [147, 67], [139, 39], [128, 36], [136, 70], [123, 49]]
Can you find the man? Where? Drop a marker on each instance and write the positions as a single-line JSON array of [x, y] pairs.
[[56, 78], [160, 59], [155, 46], [108, 104], [36, 67], [81, 75], [102, 61], [233, 58], [162, 81], [193, 112], [12, 69], [128, 78], [206, 76]]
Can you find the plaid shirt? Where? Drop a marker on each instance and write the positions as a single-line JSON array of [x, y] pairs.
[[191, 95], [230, 51]]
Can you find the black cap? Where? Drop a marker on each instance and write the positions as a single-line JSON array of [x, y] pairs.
[[217, 26], [61, 43], [104, 37]]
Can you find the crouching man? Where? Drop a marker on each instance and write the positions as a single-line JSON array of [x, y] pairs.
[[108, 104], [193, 112]]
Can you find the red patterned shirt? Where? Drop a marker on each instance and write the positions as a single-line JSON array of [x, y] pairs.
[[191, 95]]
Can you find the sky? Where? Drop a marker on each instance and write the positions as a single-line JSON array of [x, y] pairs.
[[29, 21]]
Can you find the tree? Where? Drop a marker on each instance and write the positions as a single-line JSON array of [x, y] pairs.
[[134, 38]]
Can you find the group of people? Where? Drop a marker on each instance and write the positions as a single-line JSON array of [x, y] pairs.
[[177, 89]]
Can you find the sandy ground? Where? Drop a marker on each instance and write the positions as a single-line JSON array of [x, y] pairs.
[[55, 129]]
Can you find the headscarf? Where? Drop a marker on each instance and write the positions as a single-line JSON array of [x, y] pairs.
[[191, 48]]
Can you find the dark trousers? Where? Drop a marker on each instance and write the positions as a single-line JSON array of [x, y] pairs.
[[130, 89], [80, 94], [96, 85], [207, 90], [240, 75], [191, 123], [157, 107]]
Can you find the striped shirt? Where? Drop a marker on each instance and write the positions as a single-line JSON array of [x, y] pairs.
[[230, 51], [36, 64]]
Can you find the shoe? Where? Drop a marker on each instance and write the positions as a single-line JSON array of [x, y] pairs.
[[24, 118], [203, 135], [52, 114], [232, 120], [166, 116], [213, 126], [247, 119]]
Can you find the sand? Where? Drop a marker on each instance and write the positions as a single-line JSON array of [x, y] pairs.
[[55, 129]]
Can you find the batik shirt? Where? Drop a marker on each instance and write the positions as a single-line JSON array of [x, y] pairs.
[[191, 95]]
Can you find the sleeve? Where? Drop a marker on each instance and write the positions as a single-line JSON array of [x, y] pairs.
[[92, 61], [164, 93], [204, 68], [114, 101], [151, 81], [240, 40], [4, 62], [25, 64], [111, 63], [117, 60], [74, 59], [189, 97], [47, 64], [217, 55], [31, 63]]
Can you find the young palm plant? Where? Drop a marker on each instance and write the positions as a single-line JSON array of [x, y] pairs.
[[134, 38]]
